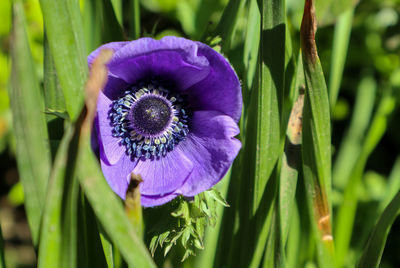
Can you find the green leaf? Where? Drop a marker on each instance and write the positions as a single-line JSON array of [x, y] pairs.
[[347, 211], [251, 44], [100, 24], [32, 149], [291, 161], [110, 212], [134, 18], [341, 40], [351, 145], [372, 252], [226, 25], [64, 30], [316, 144], [58, 231], [90, 249], [108, 248]]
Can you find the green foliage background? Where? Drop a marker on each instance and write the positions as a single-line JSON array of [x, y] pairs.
[[286, 194]]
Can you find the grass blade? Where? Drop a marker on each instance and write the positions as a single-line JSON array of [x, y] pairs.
[[251, 44], [226, 25], [32, 149], [64, 30], [339, 52], [351, 145], [316, 145], [134, 20], [347, 211], [373, 251], [58, 232], [290, 166]]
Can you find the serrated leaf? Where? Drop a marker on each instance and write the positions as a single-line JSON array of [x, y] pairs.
[[167, 249], [216, 195], [185, 237], [153, 245], [163, 238]]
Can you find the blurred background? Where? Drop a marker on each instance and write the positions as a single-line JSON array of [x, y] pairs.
[[373, 59]]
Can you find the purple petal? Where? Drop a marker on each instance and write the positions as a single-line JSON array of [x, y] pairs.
[[152, 201], [211, 147], [110, 145], [118, 175], [164, 175], [171, 57], [220, 90], [114, 46]]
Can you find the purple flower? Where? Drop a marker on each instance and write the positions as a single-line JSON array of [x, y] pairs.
[[168, 112]]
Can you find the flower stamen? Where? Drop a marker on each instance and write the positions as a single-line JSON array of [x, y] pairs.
[[150, 120]]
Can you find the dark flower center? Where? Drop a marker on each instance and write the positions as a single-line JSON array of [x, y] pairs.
[[150, 120]]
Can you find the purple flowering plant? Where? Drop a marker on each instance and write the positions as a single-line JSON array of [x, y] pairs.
[[168, 112]]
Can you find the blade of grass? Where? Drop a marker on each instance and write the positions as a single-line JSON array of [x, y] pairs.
[[290, 166], [90, 248], [53, 99], [108, 249], [100, 24], [316, 145], [251, 45], [32, 149], [350, 148], [226, 25], [117, 7], [372, 253], [263, 138], [134, 20], [341, 39], [58, 233], [347, 211], [64, 30], [392, 186]]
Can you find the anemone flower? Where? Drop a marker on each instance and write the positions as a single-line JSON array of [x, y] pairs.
[[168, 112]]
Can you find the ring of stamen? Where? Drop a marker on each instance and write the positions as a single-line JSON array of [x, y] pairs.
[[149, 120]]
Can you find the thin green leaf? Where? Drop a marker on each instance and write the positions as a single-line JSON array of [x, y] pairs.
[[100, 24], [58, 231], [110, 212], [290, 166], [90, 250], [134, 20], [117, 7], [32, 149], [226, 25], [347, 211], [64, 30], [372, 253], [351, 145], [251, 44], [392, 186], [53, 95], [108, 248], [339, 52], [316, 144]]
